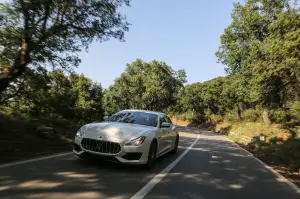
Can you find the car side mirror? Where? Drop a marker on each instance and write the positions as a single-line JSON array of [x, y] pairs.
[[165, 125]]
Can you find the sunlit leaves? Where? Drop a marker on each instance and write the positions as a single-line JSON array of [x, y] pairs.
[[145, 85]]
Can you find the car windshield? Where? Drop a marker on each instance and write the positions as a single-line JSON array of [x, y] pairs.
[[141, 118]]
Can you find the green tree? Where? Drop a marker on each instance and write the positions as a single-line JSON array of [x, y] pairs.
[[151, 86], [39, 33], [238, 93], [251, 46], [211, 95], [56, 95], [31, 97], [61, 98], [249, 24], [88, 105], [189, 99], [276, 61]]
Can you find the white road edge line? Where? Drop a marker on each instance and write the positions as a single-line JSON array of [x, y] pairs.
[[148, 187], [281, 177], [34, 160]]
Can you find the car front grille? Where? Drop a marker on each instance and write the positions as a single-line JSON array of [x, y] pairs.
[[100, 146]]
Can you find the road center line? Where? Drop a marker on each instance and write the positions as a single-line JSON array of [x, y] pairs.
[[148, 187]]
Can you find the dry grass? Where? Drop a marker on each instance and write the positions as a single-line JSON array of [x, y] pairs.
[[241, 132], [179, 122]]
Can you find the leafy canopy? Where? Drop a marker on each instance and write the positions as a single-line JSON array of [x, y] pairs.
[[52, 32], [143, 85]]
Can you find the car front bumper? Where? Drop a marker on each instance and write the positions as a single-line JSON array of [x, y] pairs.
[[127, 155]]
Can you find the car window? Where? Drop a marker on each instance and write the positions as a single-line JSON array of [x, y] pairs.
[[161, 120], [135, 117], [168, 119]]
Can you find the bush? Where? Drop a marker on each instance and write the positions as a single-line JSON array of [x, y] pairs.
[[252, 115], [201, 118], [46, 132], [294, 110], [224, 130], [231, 117], [187, 116], [289, 154], [279, 116], [215, 119]]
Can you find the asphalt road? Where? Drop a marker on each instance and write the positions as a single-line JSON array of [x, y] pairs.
[[213, 168]]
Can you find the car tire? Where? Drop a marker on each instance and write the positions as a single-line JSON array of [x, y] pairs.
[[176, 145], [152, 156]]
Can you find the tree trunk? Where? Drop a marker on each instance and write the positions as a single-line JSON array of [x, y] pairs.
[[266, 118], [239, 111], [213, 109], [17, 69]]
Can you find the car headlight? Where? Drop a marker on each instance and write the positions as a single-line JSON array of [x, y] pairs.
[[136, 142], [81, 131]]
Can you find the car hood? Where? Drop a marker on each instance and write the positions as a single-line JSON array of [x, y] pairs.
[[115, 131]]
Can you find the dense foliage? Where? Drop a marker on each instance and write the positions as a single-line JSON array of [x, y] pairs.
[[261, 49], [150, 86], [58, 96], [52, 32]]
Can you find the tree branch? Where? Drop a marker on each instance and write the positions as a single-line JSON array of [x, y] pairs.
[[45, 18], [14, 94]]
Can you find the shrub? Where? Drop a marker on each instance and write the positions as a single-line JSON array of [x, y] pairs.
[[294, 110], [252, 115], [201, 118], [187, 116], [215, 119], [224, 130], [46, 132], [289, 154], [231, 116], [279, 116]]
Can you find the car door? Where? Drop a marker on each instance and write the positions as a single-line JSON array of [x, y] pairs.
[[163, 136], [171, 134]]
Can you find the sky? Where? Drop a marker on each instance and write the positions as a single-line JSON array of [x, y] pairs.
[[183, 33]]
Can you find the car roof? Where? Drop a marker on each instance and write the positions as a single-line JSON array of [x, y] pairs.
[[145, 111]]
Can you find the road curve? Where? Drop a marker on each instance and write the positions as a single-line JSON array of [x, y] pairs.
[[213, 168]]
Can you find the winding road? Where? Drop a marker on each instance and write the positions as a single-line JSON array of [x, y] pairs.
[[207, 166]]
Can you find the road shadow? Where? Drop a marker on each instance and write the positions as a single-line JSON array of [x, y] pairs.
[[279, 152], [217, 168], [213, 168], [72, 177]]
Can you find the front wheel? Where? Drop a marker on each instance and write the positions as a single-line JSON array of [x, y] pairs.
[[175, 145], [152, 156]]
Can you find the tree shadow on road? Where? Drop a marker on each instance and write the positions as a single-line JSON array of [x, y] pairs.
[[72, 177], [279, 153], [213, 168], [217, 168]]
